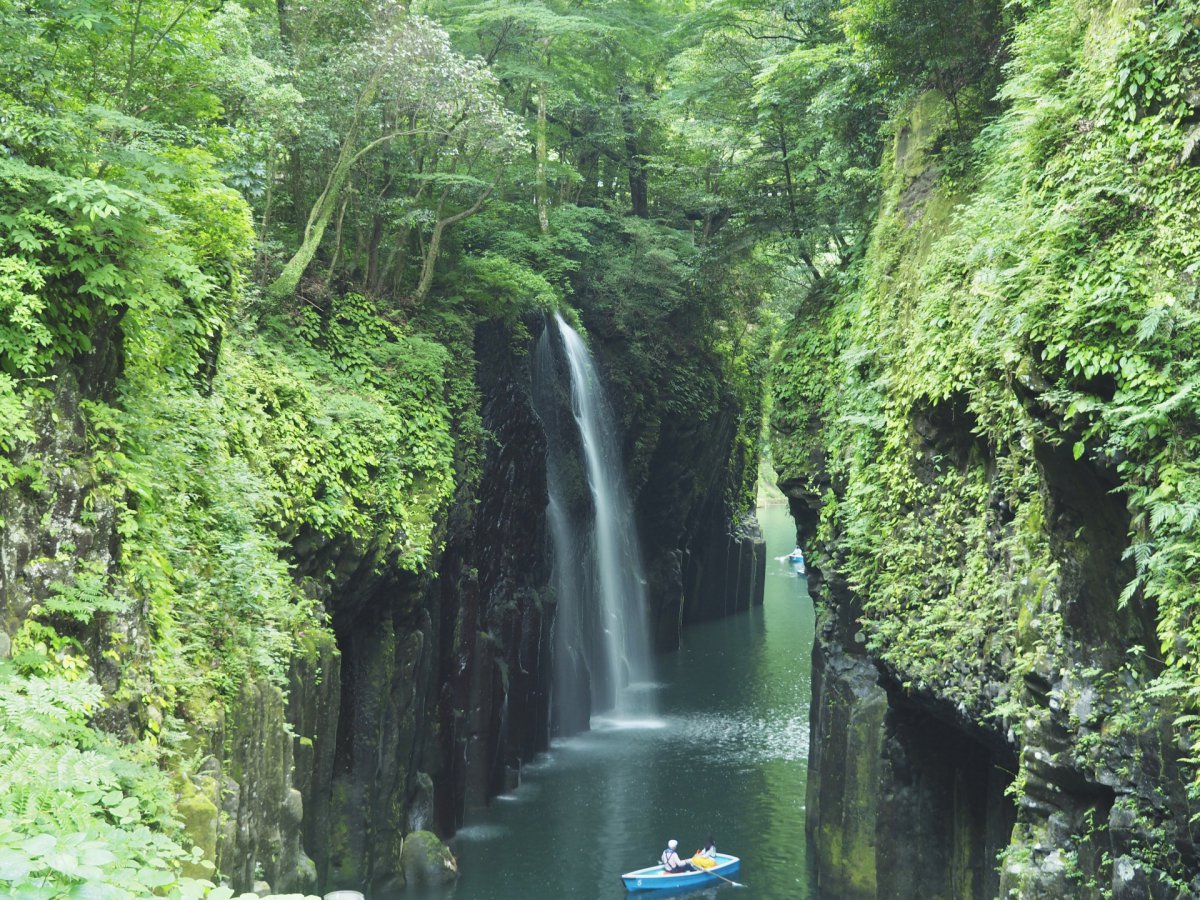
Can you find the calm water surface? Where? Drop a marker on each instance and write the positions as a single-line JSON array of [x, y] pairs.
[[724, 752]]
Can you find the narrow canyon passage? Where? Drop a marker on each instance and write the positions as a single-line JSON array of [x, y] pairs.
[[725, 752]]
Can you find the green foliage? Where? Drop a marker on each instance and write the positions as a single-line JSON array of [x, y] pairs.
[[82, 251], [159, 164], [945, 44], [80, 814], [88, 593], [345, 436], [363, 446], [500, 287], [1023, 308]]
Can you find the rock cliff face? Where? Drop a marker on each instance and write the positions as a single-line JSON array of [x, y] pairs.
[[62, 520], [906, 798], [691, 446], [428, 690], [909, 793], [991, 713], [436, 689], [705, 557]]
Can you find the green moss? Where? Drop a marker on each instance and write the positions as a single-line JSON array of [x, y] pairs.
[[199, 815], [426, 860], [918, 132]]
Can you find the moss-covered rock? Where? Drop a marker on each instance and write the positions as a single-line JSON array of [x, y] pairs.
[[198, 810], [964, 430], [426, 860]]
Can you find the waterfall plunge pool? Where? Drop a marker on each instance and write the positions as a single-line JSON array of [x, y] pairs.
[[724, 751]]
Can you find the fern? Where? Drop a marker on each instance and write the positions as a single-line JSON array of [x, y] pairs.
[[80, 815], [86, 595]]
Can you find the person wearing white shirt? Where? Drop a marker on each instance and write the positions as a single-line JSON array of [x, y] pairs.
[[671, 861]]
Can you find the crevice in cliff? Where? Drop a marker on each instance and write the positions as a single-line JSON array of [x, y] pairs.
[[944, 815], [946, 430], [904, 800], [1088, 524]]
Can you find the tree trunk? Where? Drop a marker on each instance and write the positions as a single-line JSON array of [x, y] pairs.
[[431, 255], [787, 174], [285, 24], [435, 239], [634, 161], [337, 240], [318, 217], [322, 211], [543, 199], [373, 276]]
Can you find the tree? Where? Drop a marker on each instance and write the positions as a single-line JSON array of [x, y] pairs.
[[948, 44], [446, 107]]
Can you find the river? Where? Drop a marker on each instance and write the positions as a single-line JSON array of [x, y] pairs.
[[725, 753]]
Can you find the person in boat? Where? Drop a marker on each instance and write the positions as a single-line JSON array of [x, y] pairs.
[[706, 858], [671, 862]]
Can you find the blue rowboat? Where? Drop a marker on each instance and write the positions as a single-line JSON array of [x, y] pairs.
[[655, 878]]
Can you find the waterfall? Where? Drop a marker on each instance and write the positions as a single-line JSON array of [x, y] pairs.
[[601, 642]]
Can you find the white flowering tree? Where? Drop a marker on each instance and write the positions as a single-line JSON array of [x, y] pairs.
[[432, 124]]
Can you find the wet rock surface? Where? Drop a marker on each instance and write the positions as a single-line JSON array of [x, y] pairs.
[[427, 861]]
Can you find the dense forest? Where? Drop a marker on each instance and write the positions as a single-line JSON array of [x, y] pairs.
[[256, 256]]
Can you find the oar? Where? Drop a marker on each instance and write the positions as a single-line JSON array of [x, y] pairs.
[[729, 880], [722, 877]]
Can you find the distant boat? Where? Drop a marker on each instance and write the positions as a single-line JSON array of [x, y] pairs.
[[796, 558], [656, 878]]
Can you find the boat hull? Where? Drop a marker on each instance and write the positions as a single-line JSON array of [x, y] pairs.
[[655, 879]]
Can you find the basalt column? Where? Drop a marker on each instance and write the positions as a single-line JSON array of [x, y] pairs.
[[495, 612]]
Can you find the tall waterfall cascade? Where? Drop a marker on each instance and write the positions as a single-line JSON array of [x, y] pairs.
[[601, 645]]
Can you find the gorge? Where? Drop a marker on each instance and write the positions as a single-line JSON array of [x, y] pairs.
[[387, 394]]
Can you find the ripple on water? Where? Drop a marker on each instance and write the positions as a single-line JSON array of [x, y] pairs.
[[745, 740], [523, 794], [628, 723], [475, 833]]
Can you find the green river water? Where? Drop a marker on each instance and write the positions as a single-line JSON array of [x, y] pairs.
[[724, 751]]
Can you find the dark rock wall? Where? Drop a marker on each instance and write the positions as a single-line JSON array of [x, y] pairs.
[[724, 568], [438, 687], [260, 829], [905, 798], [313, 708], [44, 535], [63, 517], [844, 771], [703, 551], [705, 557], [1048, 681], [495, 634]]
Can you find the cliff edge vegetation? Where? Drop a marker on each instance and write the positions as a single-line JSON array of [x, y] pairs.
[[988, 423]]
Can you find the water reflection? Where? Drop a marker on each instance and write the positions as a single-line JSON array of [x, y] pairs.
[[725, 753]]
